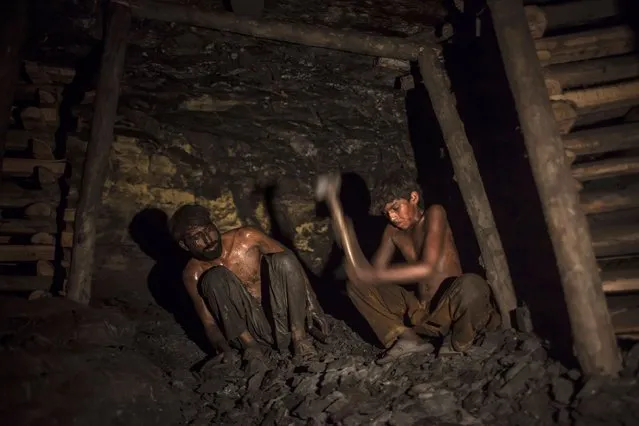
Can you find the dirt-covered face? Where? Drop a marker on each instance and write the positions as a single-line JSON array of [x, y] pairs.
[[204, 242], [403, 213]]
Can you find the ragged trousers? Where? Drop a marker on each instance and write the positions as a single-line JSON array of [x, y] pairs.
[[282, 311], [462, 306]]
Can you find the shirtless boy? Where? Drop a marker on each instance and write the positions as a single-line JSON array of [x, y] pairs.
[[447, 302], [235, 302]]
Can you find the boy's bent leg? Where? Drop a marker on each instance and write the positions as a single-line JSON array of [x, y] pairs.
[[234, 309], [465, 310], [384, 308]]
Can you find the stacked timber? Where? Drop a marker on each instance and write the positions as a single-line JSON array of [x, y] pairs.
[[34, 226], [592, 77]]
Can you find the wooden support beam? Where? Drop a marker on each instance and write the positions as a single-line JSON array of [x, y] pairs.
[[18, 283], [12, 195], [13, 33], [615, 240], [617, 40], [588, 73], [26, 166], [40, 119], [469, 179], [571, 14], [621, 278], [36, 95], [603, 139], [602, 97], [41, 145], [97, 157], [45, 268], [26, 253], [602, 169], [565, 116], [26, 226], [604, 201], [307, 35], [593, 334], [42, 74]]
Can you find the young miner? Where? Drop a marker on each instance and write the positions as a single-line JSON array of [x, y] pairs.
[[237, 303], [447, 303]]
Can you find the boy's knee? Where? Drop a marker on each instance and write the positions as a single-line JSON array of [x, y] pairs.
[[286, 262]]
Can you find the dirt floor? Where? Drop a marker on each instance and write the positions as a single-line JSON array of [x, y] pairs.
[[130, 363]]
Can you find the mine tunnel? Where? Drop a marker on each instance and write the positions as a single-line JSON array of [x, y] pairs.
[[295, 212]]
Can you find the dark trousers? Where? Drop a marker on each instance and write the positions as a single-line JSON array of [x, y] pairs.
[[462, 306], [283, 307]]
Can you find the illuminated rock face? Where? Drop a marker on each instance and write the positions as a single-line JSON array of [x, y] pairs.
[[217, 119]]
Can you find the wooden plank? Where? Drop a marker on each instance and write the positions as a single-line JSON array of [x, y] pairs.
[[27, 226], [602, 169], [22, 283], [615, 240], [602, 97], [593, 335], [41, 119], [44, 238], [553, 16], [603, 139], [303, 34], [43, 74], [565, 116], [626, 321], [591, 72], [603, 201], [41, 145], [584, 45], [39, 96], [621, 279], [26, 166], [12, 195], [98, 151], [26, 253], [44, 268]]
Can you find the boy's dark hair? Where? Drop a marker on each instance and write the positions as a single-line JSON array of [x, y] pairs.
[[397, 184], [187, 216]]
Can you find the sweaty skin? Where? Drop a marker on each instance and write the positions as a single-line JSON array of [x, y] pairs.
[[423, 237], [242, 251]]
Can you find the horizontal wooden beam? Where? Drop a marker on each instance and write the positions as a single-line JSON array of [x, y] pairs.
[[621, 279], [25, 283], [548, 17], [12, 195], [615, 240], [602, 97], [603, 139], [26, 253], [580, 46], [606, 168], [27, 226], [604, 201], [26, 166], [307, 35], [596, 71]]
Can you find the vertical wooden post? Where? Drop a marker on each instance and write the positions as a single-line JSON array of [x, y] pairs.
[[97, 155], [593, 334], [468, 178], [13, 33]]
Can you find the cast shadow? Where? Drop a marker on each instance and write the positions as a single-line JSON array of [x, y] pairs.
[[487, 108], [329, 285], [149, 229]]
